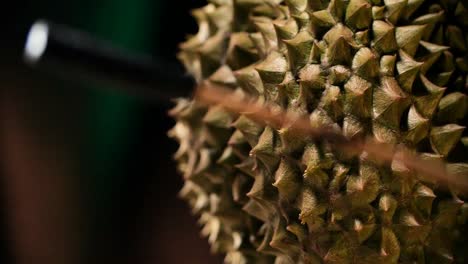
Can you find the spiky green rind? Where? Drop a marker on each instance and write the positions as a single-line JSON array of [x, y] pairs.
[[395, 70]]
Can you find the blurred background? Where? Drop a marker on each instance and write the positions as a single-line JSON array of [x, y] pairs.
[[86, 173]]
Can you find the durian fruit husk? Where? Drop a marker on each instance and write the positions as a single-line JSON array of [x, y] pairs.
[[392, 70]]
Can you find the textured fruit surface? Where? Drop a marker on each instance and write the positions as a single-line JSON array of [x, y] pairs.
[[394, 70]]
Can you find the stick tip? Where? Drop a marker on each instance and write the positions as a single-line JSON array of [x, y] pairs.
[[36, 42]]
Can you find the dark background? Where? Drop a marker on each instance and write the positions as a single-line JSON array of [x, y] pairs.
[[86, 173]]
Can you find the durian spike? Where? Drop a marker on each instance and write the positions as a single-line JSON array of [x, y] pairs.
[[210, 94]]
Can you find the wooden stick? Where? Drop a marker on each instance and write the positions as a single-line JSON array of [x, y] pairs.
[[211, 94]]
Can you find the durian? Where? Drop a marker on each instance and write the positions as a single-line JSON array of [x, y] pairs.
[[392, 70]]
